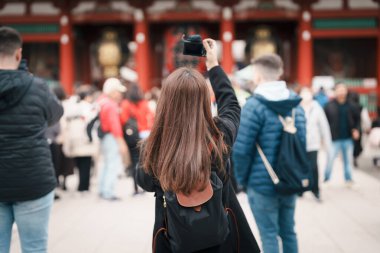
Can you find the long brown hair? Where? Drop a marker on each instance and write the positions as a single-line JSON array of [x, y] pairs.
[[184, 140]]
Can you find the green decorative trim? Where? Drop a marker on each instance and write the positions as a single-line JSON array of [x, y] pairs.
[[350, 82], [369, 101], [347, 23], [266, 6], [35, 28]]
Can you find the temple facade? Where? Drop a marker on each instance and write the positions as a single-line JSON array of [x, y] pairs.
[[83, 42]]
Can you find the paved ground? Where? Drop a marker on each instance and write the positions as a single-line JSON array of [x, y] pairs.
[[348, 220]]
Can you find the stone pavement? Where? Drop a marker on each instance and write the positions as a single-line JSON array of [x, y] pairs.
[[348, 220]]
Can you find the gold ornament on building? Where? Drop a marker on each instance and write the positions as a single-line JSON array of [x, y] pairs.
[[109, 54], [263, 43]]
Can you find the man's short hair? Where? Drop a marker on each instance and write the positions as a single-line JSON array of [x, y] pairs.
[[270, 66], [10, 41]]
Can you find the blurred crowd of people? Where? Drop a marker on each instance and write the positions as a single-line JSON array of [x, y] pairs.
[[100, 129]]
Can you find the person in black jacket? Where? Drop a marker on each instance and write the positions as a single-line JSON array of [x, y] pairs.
[[186, 144], [27, 179], [344, 126]]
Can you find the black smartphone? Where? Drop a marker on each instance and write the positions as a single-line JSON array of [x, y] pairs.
[[192, 45]]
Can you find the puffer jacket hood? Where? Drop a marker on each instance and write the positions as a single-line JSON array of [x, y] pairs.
[[282, 107], [14, 84]]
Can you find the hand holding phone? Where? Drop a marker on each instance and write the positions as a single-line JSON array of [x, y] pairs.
[[211, 53]]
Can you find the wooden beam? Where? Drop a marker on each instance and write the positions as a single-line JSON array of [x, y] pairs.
[[24, 19], [97, 18], [66, 4], [348, 33], [305, 4], [31, 38], [266, 15], [184, 16], [226, 3], [139, 4], [359, 13]]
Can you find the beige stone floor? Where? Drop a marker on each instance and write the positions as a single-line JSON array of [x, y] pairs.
[[348, 220]]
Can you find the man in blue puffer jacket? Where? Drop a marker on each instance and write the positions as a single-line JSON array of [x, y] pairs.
[[274, 213]]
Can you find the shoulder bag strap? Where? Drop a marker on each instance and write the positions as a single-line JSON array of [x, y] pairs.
[[267, 165]]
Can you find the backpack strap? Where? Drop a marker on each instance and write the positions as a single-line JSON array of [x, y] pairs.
[[267, 165], [155, 237], [233, 217]]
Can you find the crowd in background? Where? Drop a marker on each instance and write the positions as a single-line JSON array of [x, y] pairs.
[[75, 146], [119, 116], [102, 131]]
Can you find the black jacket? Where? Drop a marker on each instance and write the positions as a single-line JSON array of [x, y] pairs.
[[228, 122], [27, 107], [332, 114]]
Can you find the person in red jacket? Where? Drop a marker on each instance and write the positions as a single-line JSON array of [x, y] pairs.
[[137, 120], [113, 146], [135, 106]]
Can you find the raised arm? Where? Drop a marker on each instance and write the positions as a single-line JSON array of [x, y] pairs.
[[228, 106]]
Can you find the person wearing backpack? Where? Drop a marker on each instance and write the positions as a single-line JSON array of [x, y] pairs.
[[185, 161], [113, 147], [79, 111], [137, 120], [258, 145]]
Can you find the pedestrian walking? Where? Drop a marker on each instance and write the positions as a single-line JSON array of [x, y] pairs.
[[137, 121], [27, 179], [361, 114], [185, 162], [79, 111], [374, 140], [260, 124], [344, 127], [317, 133], [113, 146], [63, 164]]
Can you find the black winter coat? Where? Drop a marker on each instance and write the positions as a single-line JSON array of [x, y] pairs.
[[27, 107], [332, 114], [228, 123]]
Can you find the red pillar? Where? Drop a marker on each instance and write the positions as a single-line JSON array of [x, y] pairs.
[[66, 54], [305, 48], [142, 53], [227, 33]]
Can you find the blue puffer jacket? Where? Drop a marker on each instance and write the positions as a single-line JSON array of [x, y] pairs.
[[260, 124]]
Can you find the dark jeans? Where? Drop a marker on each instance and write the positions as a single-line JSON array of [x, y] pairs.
[[84, 167], [313, 159]]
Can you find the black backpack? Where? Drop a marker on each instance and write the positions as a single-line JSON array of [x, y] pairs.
[[94, 126], [189, 230], [131, 133], [292, 173]]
